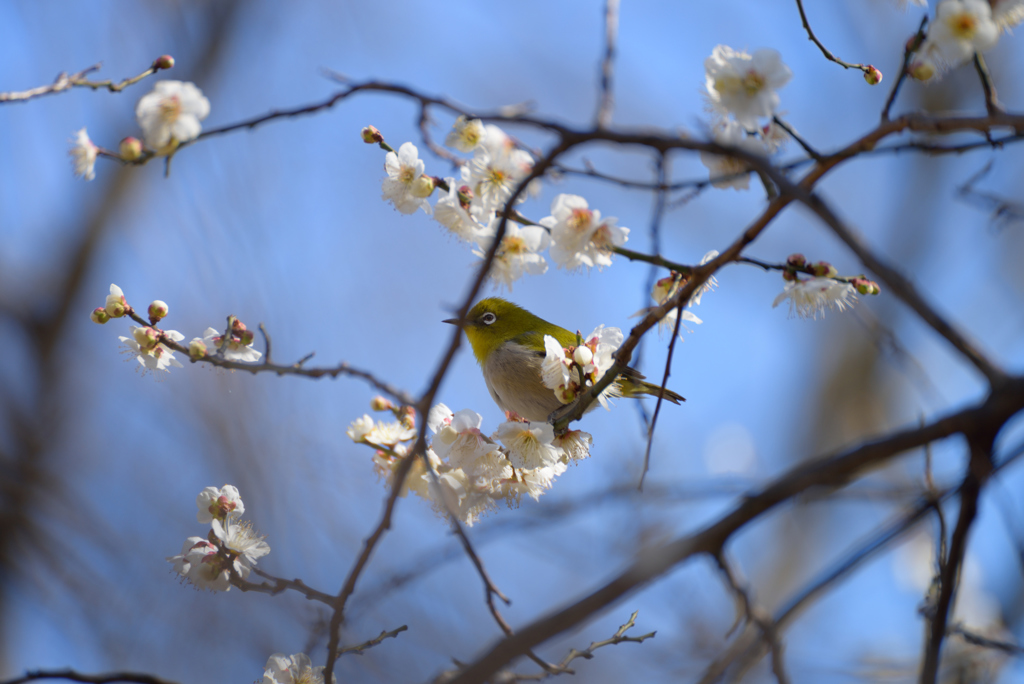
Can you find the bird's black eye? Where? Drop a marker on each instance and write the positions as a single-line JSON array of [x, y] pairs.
[[488, 318]]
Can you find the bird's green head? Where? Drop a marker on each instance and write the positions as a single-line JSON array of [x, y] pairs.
[[494, 321]]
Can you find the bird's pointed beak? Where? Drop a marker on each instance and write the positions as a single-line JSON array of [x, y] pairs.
[[454, 321]]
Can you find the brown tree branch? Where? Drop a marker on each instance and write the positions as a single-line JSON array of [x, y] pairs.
[[830, 471], [979, 468]]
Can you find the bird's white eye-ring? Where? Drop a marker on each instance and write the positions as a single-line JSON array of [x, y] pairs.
[[488, 318]]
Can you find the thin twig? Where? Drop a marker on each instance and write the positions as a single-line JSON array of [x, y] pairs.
[[1003, 210], [276, 585], [979, 468], [64, 82], [296, 368], [814, 154], [661, 393], [908, 52], [73, 676], [991, 97], [359, 649], [657, 214], [606, 98], [756, 617], [986, 642], [866, 68]]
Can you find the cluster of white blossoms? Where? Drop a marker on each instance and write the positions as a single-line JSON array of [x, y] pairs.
[[741, 90], [665, 288], [229, 550], [169, 115], [960, 29], [469, 472], [152, 346], [809, 297], [576, 234], [567, 371], [294, 669]]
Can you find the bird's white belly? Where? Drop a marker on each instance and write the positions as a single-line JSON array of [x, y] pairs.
[[512, 373]]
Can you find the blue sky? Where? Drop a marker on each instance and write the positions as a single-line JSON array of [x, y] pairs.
[[284, 225]]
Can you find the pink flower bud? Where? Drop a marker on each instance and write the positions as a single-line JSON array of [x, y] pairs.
[[163, 62], [465, 196], [379, 403], [423, 186], [583, 355], [99, 315], [246, 337], [796, 260], [157, 310], [130, 149], [147, 338], [116, 306], [789, 276], [408, 416], [371, 135], [196, 349], [823, 269], [566, 395], [922, 70], [873, 76]]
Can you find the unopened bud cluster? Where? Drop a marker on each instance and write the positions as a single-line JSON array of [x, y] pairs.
[[154, 347]]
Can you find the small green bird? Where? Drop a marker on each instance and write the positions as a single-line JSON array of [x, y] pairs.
[[508, 342]]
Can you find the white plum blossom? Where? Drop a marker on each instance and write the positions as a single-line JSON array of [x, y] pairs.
[[535, 481], [808, 298], [438, 416], [116, 304], [200, 564], [731, 172], [665, 288], [465, 135], [149, 351], [235, 350], [1007, 13], [578, 235], [83, 154], [554, 369], [450, 212], [529, 444], [170, 114], [360, 428], [518, 254], [219, 503], [495, 171], [744, 85], [244, 545], [774, 137], [960, 29], [575, 444], [460, 441], [390, 434], [406, 187], [603, 343], [294, 669]]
